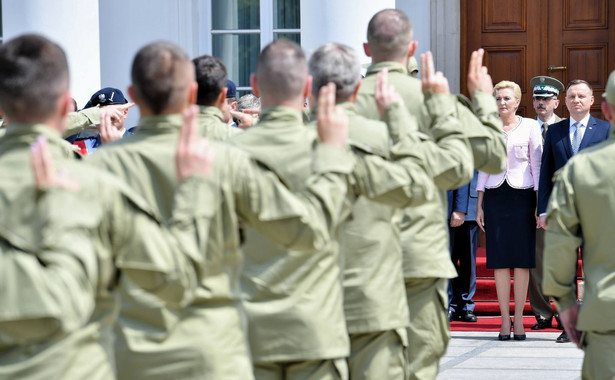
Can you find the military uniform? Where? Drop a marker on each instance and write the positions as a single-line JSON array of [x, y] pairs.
[[212, 126], [60, 274], [541, 305], [580, 212], [374, 295], [293, 300], [207, 339], [424, 232]]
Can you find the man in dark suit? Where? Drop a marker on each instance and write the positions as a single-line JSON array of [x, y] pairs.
[[464, 236], [565, 139]]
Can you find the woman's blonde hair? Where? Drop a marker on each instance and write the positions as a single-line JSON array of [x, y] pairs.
[[508, 84]]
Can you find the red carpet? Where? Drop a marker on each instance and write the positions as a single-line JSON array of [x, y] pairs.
[[493, 324]]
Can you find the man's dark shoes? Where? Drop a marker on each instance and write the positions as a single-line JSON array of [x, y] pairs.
[[451, 316], [466, 316], [563, 338], [542, 324]]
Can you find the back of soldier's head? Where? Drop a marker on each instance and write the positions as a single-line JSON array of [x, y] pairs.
[[281, 71], [33, 77], [388, 34], [161, 75], [211, 76], [337, 63]]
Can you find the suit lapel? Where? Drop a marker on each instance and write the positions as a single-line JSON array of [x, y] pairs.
[[590, 130], [565, 137]]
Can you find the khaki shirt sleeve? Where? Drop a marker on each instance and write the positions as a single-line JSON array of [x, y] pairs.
[[483, 127], [446, 154], [301, 221], [562, 239], [48, 290], [78, 121]]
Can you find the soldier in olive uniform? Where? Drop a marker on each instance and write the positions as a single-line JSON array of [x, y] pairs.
[[207, 339], [580, 213], [374, 295], [212, 79], [424, 233], [64, 253]]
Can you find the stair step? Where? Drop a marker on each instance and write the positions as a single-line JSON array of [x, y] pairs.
[[493, 308]]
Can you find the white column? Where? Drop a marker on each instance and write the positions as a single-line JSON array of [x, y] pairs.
[[128, 25], [340, 21], [73, 24]]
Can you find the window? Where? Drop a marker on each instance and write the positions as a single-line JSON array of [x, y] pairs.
[[241, 28]]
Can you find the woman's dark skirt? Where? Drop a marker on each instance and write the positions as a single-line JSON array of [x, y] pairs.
[[510, 227]]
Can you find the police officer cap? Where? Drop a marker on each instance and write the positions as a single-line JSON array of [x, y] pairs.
[[106, 97], [609, 93], [545, 86], [232, 89]]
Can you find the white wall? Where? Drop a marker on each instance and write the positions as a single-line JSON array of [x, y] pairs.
[[419, 13], [71, 23], [338, 21], [128, 25]]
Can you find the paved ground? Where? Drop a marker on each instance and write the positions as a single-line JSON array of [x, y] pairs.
[[479, 355]]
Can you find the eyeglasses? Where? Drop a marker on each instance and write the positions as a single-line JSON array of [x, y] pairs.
[[538, 98]]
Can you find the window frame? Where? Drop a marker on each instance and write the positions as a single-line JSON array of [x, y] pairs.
[[266, 31]]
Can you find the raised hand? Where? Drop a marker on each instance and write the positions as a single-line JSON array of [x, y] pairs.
[[432, 81], [194, 155], [478, 77], [45, 174], [108, 131], [332, 122], [385, 94], [117, 112]]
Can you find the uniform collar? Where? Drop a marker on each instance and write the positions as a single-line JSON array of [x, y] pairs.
[[211, 111], [160, 123], [281, 113], [17, 135], [391, 65]]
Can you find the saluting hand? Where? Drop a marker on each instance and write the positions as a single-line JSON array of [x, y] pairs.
[[332, 121], [45, 174], [117, 112], [385, 94], [108, 132], [194, 155], [478, 76], [432, 81]]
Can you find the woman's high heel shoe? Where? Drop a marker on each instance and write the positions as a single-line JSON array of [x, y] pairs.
[[518, 336], [506, 336]]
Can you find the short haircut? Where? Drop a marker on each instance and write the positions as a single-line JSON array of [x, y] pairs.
[[388, 34], [580, 81], [248, 102], [508, 84], [33, 76], [337, 63], [211, 75], [281, 70], [161, 73]]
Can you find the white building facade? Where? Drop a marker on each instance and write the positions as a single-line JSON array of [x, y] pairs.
[[102, 36]]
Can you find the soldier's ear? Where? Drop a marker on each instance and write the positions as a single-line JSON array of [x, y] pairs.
[[307, 87], [412, 45], [366, 49], [193, 92], [254, 85]]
